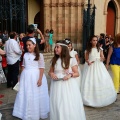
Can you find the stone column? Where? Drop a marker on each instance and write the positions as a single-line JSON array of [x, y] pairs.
[[64, 17], [66, 20], [79, 22], [47, 14]]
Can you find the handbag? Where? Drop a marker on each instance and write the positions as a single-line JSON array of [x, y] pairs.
[[16, 87]]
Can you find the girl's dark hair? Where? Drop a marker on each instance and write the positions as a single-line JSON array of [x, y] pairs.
[[89, 44], [103, 35], [51, 31], [30, 28], [12, 34], [65, 56], [117, 40], [36, 50]]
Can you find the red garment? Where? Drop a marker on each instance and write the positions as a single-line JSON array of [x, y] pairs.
[[21, 44], [21, 59], [4, 61]]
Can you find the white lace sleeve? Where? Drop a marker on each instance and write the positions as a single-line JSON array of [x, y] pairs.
[[75, 52], [73, 62], [41, 63]]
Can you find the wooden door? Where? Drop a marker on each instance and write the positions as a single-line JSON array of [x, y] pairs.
[[110, 28]]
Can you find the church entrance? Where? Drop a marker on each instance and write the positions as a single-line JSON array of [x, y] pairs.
[[111, 19], [39, 20]]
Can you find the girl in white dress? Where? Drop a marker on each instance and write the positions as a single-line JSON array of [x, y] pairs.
[[65, 98], [32, 100], [97, 86], [74, 54]]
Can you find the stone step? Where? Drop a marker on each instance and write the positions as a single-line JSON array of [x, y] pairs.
[[49, 53], [48, 56], [48, 59]]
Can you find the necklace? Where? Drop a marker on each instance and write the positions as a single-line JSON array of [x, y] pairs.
[[29, 56]]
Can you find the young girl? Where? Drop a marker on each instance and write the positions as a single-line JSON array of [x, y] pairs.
[[32, 100], [50, 40], [65, 97], [97, 86], [74, 54], [46, 49]]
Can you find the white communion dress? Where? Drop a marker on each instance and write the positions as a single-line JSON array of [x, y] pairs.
[[72, 54], [65, 97], [32, 102], [97, 87]]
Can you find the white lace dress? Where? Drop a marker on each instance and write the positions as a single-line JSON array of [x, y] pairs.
[[97, 87], [32, 102], [72, 54], [65, 98]]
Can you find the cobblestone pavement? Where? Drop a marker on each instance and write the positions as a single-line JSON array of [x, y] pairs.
[[111, 112]]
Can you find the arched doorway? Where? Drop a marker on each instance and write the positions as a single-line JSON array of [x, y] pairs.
[[39, 20], [111, 19], [39, 17]]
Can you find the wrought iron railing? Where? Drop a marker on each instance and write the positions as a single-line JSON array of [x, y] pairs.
[[13, 15]]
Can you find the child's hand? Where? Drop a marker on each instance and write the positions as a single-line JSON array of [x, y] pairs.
[[89, 63], [39, 83], [107, 67], [102, 59], [67, 77], [53, 76]]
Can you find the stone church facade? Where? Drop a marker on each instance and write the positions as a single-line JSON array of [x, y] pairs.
[[65, 17]]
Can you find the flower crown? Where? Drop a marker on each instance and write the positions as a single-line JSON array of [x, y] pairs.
[[67, 41]]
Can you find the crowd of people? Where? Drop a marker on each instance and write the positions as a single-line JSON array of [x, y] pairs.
[[70, 87]]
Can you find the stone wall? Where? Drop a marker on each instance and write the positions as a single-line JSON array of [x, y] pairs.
[[65, 18], [101, 15], [33, 9]]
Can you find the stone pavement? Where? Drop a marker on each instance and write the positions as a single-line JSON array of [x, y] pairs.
[[111, 112]]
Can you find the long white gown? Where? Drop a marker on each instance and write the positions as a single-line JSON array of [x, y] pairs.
[[97, 87], [32, 102], [72, 54], [65, 97]]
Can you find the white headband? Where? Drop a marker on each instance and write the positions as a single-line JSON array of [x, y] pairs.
[[61, 44], [33, 40]]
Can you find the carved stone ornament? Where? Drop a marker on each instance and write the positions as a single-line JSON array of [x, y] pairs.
[[65, 4]]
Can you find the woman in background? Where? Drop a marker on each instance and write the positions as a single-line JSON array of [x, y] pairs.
[[114, 60], [50, 40], [46, 36]]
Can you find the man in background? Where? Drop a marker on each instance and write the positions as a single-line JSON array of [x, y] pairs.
[[13, 53], [30, 33]]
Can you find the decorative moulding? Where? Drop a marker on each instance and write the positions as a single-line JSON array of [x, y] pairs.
[[65, 4]]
